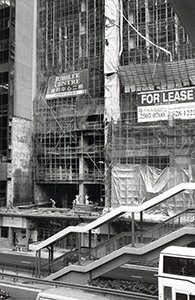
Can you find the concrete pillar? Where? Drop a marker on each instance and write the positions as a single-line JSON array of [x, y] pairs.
[[27, 235], [10, 236], [79, 248], [141, 226], [133, 229], [81, 192]]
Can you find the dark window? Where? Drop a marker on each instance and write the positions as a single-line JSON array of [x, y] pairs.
[[7, 12], [2, 191], [4, 232], [6, 55], [160, 162], [179, 266], [3, 112], [167, 292], [180, 296]]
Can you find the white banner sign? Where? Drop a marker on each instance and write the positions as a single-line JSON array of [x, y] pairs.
[[165, 105]]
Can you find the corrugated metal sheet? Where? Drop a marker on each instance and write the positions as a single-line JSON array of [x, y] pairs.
[[151, 76]]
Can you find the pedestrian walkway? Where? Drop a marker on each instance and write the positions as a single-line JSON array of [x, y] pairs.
[[20, 263], [31, 253]]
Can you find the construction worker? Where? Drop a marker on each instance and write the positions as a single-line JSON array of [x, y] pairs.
[[53, 202]]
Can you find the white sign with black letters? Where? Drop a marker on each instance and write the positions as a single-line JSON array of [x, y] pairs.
[[161, 105]]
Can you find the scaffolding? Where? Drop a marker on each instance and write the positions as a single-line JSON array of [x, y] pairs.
[[76, 148], [69, 129], [157, 144]]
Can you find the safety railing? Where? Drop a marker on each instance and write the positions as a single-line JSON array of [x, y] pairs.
[[114, 243], [166, 227], [86, 253], [70, 257], [111, 245]]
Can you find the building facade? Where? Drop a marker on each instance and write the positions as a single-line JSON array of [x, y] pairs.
[[97, 102], [152, 145], [69, 106], [127, 134], [17, 85]]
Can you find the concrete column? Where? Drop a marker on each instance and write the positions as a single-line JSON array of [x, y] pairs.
[[89, 238], [133, 229], [27, 235], [81, 192], [141, 226], [108, 230], [79, 248], [81, 174], [10, 236], [51, 253], [38, 264]]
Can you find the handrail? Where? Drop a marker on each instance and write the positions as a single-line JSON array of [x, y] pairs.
[[111, 245], [60, 261], [114, 213], [86, 253], [173, 223], [114, 243], [119, 241], [169, 219]]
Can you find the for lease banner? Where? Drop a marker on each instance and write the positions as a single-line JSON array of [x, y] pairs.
[[67, 85], [163, 105]]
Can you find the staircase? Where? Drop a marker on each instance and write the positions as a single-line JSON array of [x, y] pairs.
[[85, 263], [178, 230]]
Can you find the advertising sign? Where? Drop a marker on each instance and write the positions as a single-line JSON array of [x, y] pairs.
[[162, 105], [67, 85]]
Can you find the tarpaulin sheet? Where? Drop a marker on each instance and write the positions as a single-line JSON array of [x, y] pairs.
[[112, 108], [111, 57], [111, 61], [135, 184]]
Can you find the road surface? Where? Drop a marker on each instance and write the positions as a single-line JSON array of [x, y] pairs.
[[18, 292]]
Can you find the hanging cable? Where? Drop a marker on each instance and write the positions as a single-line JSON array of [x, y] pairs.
[[142, 36]]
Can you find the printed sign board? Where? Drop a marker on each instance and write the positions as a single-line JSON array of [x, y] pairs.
[[67, 85], [163, 105]]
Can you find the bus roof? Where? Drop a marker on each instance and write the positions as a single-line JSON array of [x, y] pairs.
[[68, 294], [179, 251]]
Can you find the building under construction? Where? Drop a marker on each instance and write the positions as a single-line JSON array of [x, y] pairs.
[[111, 84], [152, 145], [96, 105], [114, 108], [69, 106]]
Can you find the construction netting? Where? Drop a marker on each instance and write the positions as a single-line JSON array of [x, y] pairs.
[[135, 184]]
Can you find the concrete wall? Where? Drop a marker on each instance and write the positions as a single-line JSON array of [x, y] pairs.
[[3, 171], [41, 193], [20, 179], [25, 58], [21, 173]]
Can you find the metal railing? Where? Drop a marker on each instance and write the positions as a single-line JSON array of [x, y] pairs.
[[166, 227], [86, 253], [90, 254]]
